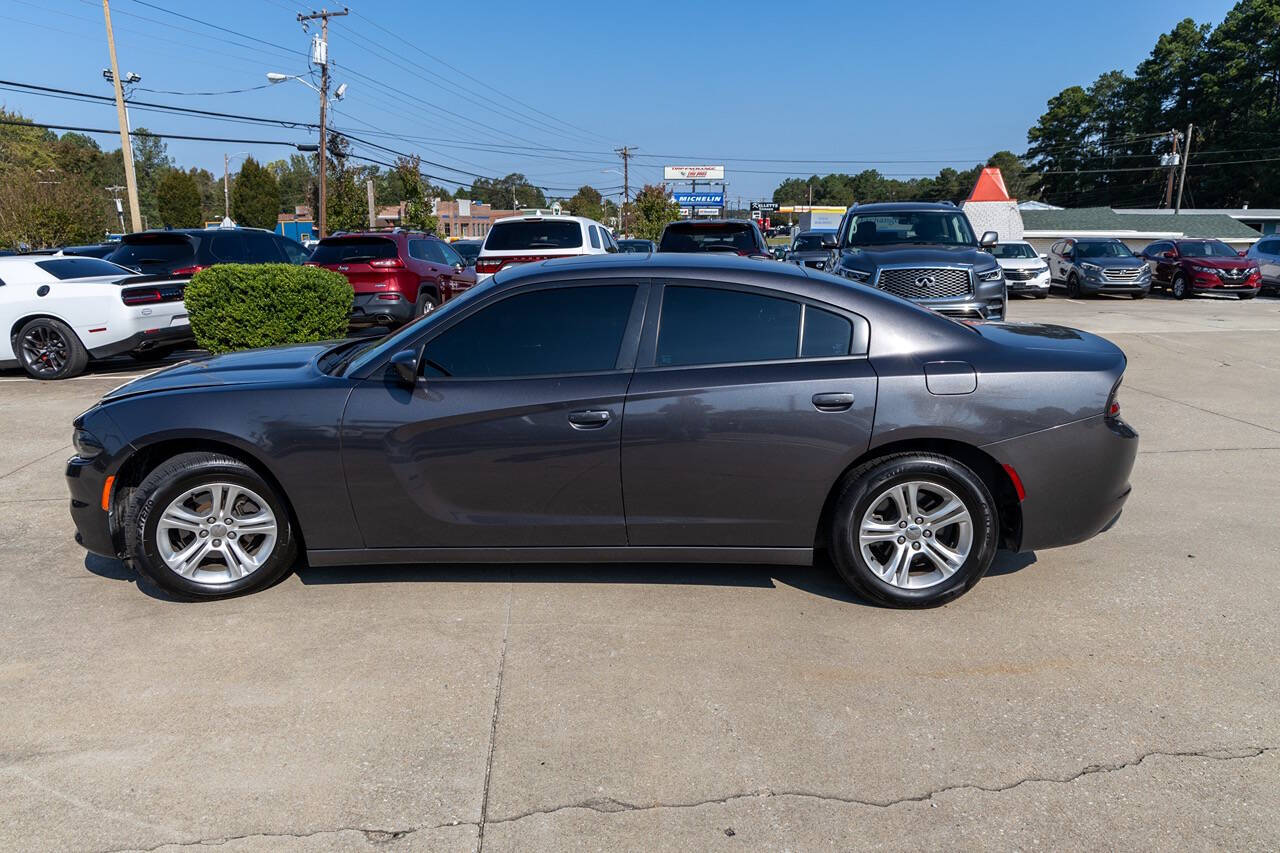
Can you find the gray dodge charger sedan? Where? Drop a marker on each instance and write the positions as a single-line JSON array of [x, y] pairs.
[[643, 408]]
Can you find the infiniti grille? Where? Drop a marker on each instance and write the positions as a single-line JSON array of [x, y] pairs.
[[925, 282]]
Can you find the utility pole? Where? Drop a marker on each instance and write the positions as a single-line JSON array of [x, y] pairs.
[[1182, 180], [226, 186], [1173, 168], [625, 153], [126, 147], [373, 211], [320, 56]]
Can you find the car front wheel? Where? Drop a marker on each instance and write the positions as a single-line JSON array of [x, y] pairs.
[[1073, 287], [913, 530], [205, 525], [1180, 288]]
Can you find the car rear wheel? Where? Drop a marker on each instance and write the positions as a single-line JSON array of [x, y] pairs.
[[1180, 287], [913, 529], [205, 525], [48, 349], [426, 303]]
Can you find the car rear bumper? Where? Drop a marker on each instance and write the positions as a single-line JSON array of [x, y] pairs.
[[371, 309], [146, 340], [1076, 478]]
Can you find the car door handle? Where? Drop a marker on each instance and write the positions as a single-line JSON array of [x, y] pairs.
[[590, 419], [836, 402]]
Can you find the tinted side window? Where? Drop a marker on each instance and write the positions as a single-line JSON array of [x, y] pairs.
[[702, 325], [293, 250], [261, 249], [451, 256], [825, 334], [559, 331], [426, 250], [595, 236], [227, 248]]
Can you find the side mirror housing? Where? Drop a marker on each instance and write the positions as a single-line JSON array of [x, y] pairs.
[[1044, 256], [989, 239], [406, 364], [1169, 253], [829, 243]]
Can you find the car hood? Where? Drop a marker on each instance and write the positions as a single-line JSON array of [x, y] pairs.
[[1021, 263], [1113, 263], [914, 254], [1220, 263], [273, 365], [811, 255]]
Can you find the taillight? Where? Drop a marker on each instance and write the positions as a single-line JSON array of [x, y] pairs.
[[387, 263], [141, 296], [492, 265], [192, 270], [1113, 401]]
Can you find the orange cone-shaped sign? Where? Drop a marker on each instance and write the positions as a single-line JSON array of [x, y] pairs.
[[990, 186]]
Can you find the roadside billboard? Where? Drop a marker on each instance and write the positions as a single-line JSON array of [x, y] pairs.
[[693, 173], [715, 199]]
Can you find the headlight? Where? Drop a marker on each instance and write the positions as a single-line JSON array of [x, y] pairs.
[[1041, 269], [856, 275], [1199, 268], [991, 275], [85, 444], [1090, 267]]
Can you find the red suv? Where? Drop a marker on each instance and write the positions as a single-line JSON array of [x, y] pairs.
[[397, 275], [1184, 267]]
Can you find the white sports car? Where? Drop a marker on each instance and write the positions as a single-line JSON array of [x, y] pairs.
[[62, 311]]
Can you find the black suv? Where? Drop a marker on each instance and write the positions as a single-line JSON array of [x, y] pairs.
[[186, 251], [924, 252], [731, 236]]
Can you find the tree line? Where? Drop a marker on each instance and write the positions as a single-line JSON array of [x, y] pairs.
[[1101, 144]]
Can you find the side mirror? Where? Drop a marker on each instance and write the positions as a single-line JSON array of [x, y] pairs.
[[1169, 253], [829, 243], [406, 365], [1044, 256], [459, 267], [989, 239]]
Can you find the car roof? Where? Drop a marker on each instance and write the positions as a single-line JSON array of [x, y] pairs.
[[543, 217], [711, 222], [902, 206]]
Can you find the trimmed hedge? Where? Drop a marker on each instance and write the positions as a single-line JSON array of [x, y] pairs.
[[244, 306]]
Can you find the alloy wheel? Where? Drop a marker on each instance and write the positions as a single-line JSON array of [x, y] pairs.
[[916, 534], [216, 533], [45, 350]]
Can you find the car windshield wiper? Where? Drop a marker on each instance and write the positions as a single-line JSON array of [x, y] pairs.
[[351, 348], [544, 244]]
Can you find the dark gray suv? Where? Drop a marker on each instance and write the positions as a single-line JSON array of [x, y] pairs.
[[925, 252]]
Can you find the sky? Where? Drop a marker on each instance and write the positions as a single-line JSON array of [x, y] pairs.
[[771, 90]]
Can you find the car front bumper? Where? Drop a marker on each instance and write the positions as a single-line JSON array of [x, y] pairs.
[[1076, 478], [1095, 286], [86, 480]]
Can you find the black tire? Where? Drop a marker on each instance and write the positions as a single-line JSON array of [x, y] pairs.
[[1179, 288], [167, 482], [1044, 295], [427, 302], [151, 355], [48, 349], [868, 483], [1141, 294], [1073, 287]]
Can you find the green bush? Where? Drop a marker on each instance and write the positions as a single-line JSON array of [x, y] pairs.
[[243, 306]]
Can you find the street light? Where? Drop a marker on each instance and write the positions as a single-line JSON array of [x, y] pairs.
[[323, 91]]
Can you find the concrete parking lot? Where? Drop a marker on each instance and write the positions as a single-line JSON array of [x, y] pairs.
[[1118, 694]]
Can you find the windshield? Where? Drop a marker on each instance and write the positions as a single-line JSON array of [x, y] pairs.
[[915, 226], [1207, 249], [1014, 250], [468, 251], [1111, 249], [807, 243], [336, 250], [359, 357], [708, 237], [534, 234]]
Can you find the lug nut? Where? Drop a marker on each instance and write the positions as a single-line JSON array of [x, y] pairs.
[[919, 520], [901, 539], [231, 534], [902, 523], [915, 546], [928, 533], [217, 543], [213, 520], [227, 521], [204, 534]]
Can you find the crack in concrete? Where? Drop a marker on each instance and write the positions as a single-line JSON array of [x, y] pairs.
[[493, 724], [611, 805]]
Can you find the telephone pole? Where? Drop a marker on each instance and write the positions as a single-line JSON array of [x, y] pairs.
[[1182, 180], [126, 146], [1173, 168], [320, 56], [625, 153]]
